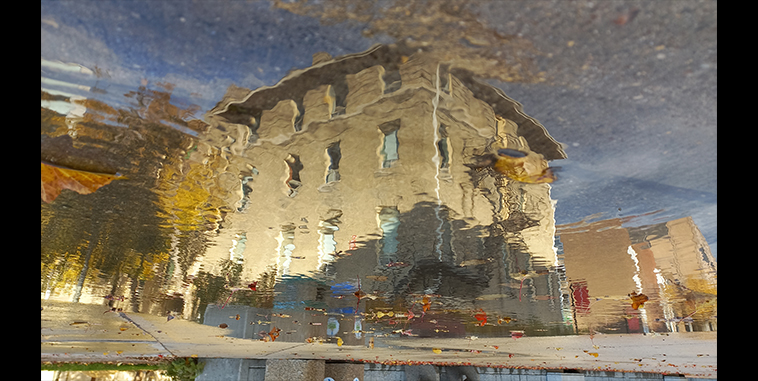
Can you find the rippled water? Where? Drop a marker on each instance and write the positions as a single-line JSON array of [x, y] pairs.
[[360, 197]]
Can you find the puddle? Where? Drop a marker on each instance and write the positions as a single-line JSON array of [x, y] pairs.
[[386, 193]]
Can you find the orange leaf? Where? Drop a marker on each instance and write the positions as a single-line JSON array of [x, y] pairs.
[[482, 317], [274, 333], [427, 303], [505, 320], [638, 300], [55, 179]]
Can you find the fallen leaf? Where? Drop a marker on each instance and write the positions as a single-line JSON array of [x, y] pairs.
[[482, 317], [55, 179], [339, 342], [517, 165], [427, 303], [626, 17], [274, 333], [505, 320], [437, 350], [638, 300], [381, 314]]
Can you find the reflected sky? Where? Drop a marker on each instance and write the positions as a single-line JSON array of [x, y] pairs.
[[204, 47], [201, 48], [252, 188]]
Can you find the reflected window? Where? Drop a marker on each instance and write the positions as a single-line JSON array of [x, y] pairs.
[[246, 190], [299, 121], [390, 144], [294, 166], [392, 81], [286, 247], [340, 91], [327, 245], [444, 153], [445, 78], [443, 147], [580, 296], [389, 221], [238, 248], [334, 154], [389, 149]]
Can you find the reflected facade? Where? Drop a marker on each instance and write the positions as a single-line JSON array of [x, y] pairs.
[[407, 217], [341, 203], [669, 262]]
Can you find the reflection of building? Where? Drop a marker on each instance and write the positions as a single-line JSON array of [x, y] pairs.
[[367, 154], [670, 263], [358, 139]]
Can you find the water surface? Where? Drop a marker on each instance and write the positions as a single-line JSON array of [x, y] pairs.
[[346, 199]]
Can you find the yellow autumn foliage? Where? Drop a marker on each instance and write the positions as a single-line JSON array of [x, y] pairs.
[[189, 199]]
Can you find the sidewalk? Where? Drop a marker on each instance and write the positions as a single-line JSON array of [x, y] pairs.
[[132, 337]]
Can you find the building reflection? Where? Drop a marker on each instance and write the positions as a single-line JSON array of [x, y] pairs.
[[361, 175], [357, 214], [669, 262]]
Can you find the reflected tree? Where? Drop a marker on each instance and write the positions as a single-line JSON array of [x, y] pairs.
[[125, 227]]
